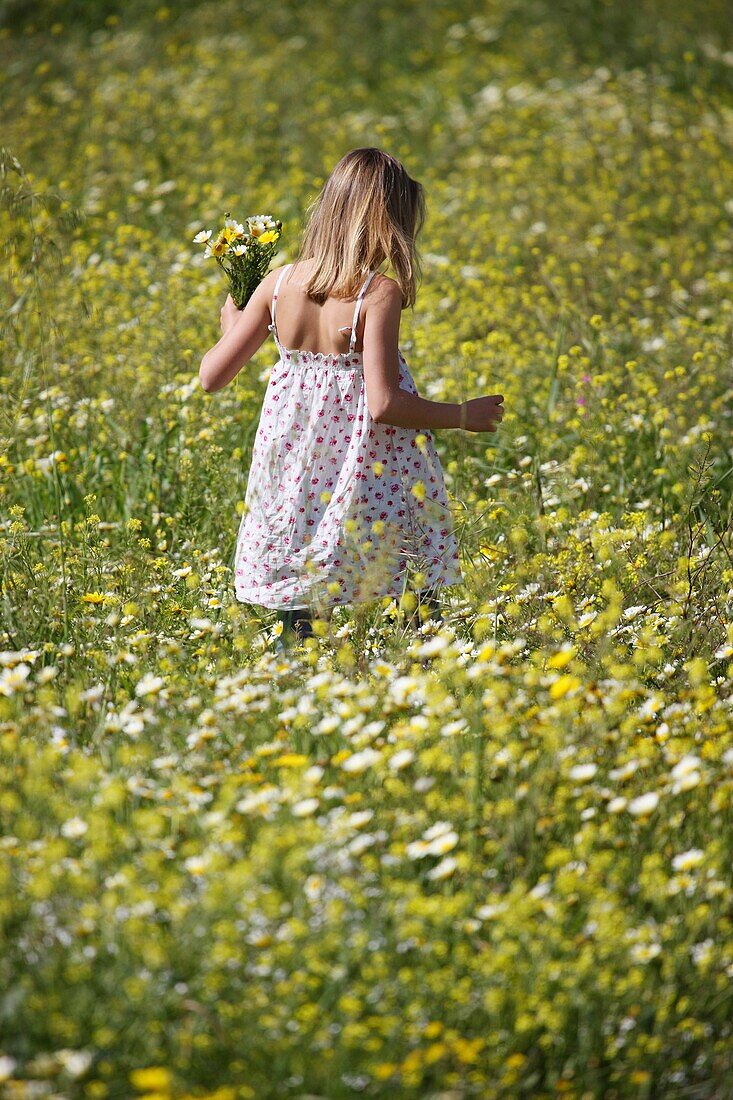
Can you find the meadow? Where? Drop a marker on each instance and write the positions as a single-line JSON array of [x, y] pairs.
[[487, 858]]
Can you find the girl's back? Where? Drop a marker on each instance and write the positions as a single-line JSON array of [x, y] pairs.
[[322, 329]]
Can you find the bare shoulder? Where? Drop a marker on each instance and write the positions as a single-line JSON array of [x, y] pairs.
[[266, 288], [383, 292], [274, 274]]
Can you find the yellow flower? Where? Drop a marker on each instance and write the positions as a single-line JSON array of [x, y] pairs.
[[152, 1079], [563, 685], [561, 658], [268, 237], [418, 490], [94, 597], [291, 760]]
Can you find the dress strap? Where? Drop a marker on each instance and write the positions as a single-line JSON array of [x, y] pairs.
[[362, 292], [273, 327]]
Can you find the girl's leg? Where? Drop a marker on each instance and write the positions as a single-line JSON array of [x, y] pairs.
[[428, 599], [298, 620]]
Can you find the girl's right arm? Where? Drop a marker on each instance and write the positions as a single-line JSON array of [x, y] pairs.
[[387, 402]]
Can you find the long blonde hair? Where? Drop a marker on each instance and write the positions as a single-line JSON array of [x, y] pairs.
[[369, 210]]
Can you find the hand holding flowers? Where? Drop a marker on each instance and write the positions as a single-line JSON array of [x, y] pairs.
[[244, 254], [228, 314]]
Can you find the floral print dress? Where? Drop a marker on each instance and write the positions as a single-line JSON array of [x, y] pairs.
[[338, 509]]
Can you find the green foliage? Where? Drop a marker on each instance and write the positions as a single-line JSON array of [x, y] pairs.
[[486, 858]]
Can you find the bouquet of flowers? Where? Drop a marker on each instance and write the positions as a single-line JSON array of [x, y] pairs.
[[243, 252]]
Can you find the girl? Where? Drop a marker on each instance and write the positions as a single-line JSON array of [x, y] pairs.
[[345, 495]]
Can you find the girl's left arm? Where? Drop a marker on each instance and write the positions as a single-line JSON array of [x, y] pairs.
[[244, 331]]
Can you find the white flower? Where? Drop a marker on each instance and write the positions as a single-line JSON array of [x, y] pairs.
[[458, 725], [686, 783], [583, 772], [196, 865], [260, 799], [359, 818], [443, 869], [433, 646], [14, 657], [685, 774], [7, 1066], [75, 1062], [486, 912], [360, 843], [328, 724], [149, 685], [313, 887], [442, 844], [650, 707], [74, 827], [416, 849], [685, 766], [435, 841], [625, 771], [305, 807], [644, 804], [401, 759], [702, 952], [203, 625], [616, 805], [13, 679], [360, 761], [643, 952], [202, 237], [165, 762], [686, 860]]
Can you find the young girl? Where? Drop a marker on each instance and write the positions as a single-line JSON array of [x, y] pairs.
[[345, 499]]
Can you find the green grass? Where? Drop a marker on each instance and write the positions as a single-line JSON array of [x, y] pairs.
[[491, 859]]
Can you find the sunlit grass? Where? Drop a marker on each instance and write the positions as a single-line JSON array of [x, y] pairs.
[[489, 857]]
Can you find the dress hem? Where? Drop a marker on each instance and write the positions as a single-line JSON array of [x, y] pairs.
[[347, 602]]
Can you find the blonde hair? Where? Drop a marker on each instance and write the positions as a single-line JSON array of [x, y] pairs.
[[369, 210]]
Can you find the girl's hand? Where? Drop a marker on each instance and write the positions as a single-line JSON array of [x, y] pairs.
[[229, 314], [482, 414]]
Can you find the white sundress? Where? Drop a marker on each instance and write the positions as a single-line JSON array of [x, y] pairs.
[[338, 509]]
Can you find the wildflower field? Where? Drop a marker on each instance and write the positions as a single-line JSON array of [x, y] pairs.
[[487, 858]]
